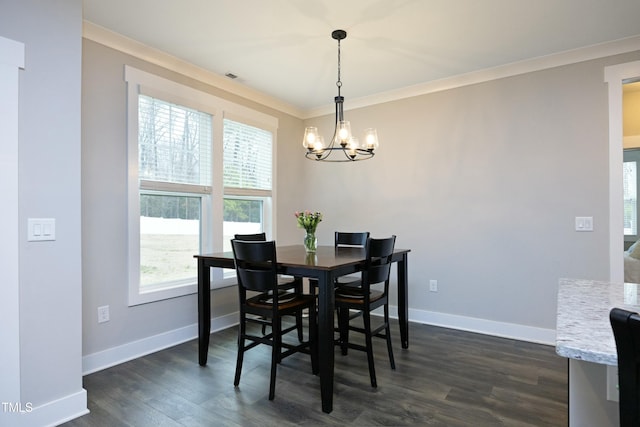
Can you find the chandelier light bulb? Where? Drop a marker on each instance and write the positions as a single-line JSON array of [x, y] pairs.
[[318, 144], [352, 147], [344, 132], [310, 136], [371, 139]]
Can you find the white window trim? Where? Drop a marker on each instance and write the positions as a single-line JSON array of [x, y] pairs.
[[141, 82]]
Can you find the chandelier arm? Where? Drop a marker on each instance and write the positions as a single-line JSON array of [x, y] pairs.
[[361, 155]]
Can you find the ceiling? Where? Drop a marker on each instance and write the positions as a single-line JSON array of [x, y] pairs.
[[284, 49]]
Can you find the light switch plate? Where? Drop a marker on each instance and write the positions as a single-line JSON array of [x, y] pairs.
[[584, 223], [41, 229]]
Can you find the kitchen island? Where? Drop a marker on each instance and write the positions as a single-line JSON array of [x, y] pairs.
[[585, 338]]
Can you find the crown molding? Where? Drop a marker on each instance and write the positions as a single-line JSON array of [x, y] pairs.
[[98, 34], [508, 70]]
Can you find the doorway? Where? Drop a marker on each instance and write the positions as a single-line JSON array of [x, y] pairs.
[[616, 76]]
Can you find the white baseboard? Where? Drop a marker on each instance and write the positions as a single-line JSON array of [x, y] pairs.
[[481, 326], [123, 353], [49, 414]]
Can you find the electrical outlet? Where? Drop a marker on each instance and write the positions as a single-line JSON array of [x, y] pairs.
[[103, 314], [433, 285]]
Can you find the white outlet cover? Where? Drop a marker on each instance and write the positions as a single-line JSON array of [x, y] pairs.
[[103, 314]]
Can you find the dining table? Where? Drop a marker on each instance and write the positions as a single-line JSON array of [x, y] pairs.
[[325, 265]]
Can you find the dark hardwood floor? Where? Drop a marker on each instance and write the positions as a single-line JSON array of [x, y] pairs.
[[445, 378]]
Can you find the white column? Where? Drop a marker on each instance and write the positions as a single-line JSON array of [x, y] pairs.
[[11, 60]]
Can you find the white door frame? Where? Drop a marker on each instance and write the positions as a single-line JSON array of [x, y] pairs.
[[615, 76]]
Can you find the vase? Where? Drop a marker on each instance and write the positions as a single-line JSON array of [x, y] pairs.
[[310, 241]]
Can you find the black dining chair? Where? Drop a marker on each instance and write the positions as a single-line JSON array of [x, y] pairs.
[[372, 292], [350, 240], [344, 239], [285, 284], [257, 271], [626, 331]]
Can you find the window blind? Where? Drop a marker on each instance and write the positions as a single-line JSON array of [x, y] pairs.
[[174, 143], [247, 156]]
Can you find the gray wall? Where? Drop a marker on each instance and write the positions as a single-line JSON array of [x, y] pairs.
[[49, 187]]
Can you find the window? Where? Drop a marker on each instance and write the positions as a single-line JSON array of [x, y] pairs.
[[631, 181], [200, 170], [247, 179], [174, 171], [630, 198]]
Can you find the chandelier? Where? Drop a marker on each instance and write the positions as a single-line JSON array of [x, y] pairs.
[[342, 141]]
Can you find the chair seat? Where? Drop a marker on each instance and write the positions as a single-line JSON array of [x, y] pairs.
[[348, 281], [353, 295], [286, 301]]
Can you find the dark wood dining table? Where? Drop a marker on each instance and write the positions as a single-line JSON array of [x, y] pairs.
[[325, 265]]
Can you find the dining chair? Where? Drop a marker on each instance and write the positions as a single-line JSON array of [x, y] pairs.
[[285, 284], [257, 270], [372, 292], [626, 331], [350, 240], [344, 239]]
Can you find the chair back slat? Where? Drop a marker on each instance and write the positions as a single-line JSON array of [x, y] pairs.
[[256, 264], [255, 279], [351, 239], [626, 331], [378, 262], [255, 237]]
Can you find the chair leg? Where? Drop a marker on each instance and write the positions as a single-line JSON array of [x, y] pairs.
[[241, 333], [313, 337], [299, 290], [343, 326], [387, 333], [299, 325], [366, 317], [275, 355]]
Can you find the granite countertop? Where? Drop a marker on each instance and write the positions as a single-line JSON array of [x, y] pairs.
[[583, 331]]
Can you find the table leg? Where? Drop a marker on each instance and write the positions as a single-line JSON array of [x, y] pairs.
[[204, 311], [403, 300], [325, 337]]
